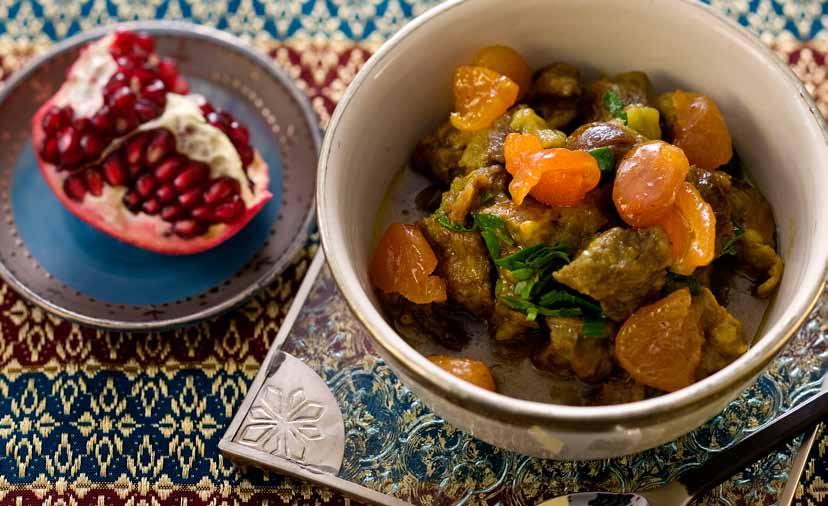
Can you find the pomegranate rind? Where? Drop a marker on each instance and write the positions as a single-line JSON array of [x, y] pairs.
[[142, 230]]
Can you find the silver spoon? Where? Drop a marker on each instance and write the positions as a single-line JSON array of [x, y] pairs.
[[721, 466]]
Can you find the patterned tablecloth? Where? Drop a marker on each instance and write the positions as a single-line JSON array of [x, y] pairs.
[[92, 418]]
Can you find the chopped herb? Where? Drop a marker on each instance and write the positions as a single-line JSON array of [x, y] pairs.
[[594, 327], [493, 230], [729, 247], [606, 160], [558, 297], [487, 198], [444, 220], [614, 105], [534, 257], [692, 283], [533, 310]]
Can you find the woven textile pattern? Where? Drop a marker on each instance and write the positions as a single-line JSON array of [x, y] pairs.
[[97, 418]]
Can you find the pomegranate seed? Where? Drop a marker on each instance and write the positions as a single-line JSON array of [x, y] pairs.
[[136, 149], [94, 182], [188, 228], [168, 169], [238, 134], [122, 100], [229, 211], [206, 108], [246, 154], [135, 170], [128, 63], [57, 118], [68, 144], [168, 71], [192, 175], [166, 194], [220, 190], [202, 213], [123, 43], [83, 125], [132, 201], [126, 122], [115, 170], [161, 145], [171, 212], [151, 206], [49, 150], [190, 199], [75, 187], [144, 75], [102, 120], [180, 86], [92, 145], [215, 119], [118, 80], [156, 91], [146, 109], [145, 185], [145, 43]]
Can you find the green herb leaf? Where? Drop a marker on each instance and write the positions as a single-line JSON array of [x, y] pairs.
[[487, 198], [605, 158], [445, 222], [560, 297], [594, 327], [493, 230], [533, 310], [534, 257], [729, 247], [692, 283], [614, 105]]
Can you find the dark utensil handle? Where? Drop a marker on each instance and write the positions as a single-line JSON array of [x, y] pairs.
[[772, 436]]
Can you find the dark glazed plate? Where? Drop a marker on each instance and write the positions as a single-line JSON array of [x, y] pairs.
[[71, 269]]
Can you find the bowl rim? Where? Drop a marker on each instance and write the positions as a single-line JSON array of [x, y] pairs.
[[268, 275], [570, 418]]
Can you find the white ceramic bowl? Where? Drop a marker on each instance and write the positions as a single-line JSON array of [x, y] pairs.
[[404, 91]]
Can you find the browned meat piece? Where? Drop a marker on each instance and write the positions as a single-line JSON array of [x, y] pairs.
[[631, 87], [463, 261], [486, 146], [555, 93], [533, 223], [757, 245], [715, 188], [723, 337], [588, 358], [442, 322], [438, 154], [468, 192], [620, 268], [601, 134], [620, 389]]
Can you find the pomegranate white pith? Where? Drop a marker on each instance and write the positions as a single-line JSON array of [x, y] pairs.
[[127, 149]]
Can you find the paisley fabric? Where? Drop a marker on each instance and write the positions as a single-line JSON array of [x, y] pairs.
[[90, 417]]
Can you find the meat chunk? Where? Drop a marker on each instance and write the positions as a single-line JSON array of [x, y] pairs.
[[620, 389], [463, 262], [485, 147], [555, 93], [442, 322], [715, 187], [723, 337], [601, 134], [438, 154], [532, 223], [620, 268], [588, 358], [467, 193], [631, 87], [757, 245]]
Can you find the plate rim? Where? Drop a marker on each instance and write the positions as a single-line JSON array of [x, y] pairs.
[[297, 243]]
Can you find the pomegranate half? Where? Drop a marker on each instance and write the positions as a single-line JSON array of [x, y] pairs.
[[128, 150]]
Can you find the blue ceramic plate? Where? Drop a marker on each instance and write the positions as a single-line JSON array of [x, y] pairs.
[[74, 270]]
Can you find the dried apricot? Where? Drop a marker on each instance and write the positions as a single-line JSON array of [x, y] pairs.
[[679, 233], [481, 96], [554, 176], [473, 371], [647, 180], [403, 262], [701, 222], [700, 130], [660, 344], [508, 62]]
